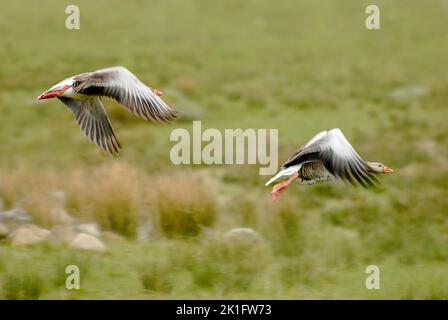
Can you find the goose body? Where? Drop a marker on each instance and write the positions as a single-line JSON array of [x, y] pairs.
[[82, 95], [327, 156]]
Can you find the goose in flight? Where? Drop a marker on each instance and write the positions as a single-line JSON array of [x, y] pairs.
[[327, 156], [82, 95]]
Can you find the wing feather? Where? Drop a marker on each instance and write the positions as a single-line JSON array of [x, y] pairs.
[[94, 122], [120, 84]]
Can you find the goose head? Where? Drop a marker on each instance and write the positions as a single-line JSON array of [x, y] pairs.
[[58, 89], [377, 167]]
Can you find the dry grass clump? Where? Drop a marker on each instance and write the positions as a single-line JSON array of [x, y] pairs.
[[184, 205], [112, 195], [29, 190]]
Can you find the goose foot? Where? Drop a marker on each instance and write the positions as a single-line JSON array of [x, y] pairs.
[[280, 187]]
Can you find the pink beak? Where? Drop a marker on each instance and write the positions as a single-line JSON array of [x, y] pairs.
[[53, 93], [48, 95]]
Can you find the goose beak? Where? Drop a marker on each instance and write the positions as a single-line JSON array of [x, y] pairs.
[[388, 170], [53, 92], [48, 94]]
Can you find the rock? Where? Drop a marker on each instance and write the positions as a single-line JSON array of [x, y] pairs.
[[4, 230], [62, 233], [242, 235], [16, 215], [111, 236], [28, 234], [61, 216], [144, 231], [89, 228], [84, 241]]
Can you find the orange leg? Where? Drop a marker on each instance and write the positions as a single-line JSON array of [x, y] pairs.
[[280, 187], [157, 92]]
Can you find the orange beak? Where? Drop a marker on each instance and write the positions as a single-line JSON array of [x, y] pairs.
[[388, 170], [48, 95], [53, 93]]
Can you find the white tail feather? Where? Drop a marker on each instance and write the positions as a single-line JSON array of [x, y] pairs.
[[285, 173]]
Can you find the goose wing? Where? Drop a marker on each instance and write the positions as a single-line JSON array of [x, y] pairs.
[[338, 157], [94, 122], [292, 159], [123, 86]]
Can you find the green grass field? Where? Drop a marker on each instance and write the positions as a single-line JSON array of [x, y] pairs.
[[297, 66]]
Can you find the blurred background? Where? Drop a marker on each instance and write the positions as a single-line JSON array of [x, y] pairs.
[[152, 230]]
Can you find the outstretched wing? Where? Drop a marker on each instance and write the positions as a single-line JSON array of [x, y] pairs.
[[94, 122], [120, 84], [292, 159], [337, 155]]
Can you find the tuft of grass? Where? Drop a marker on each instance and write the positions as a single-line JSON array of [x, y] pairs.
[[184, 205], [25, 188], [114, 200], [154, 278], [27, 286]]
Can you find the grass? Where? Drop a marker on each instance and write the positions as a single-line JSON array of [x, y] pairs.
[[28, 286], [184, 206], [299, 66], [154, 278]]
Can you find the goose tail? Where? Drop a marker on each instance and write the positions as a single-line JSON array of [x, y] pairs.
[[283, 174]]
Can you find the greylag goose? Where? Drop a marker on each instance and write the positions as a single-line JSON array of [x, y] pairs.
[[327, 156], [82, 95]]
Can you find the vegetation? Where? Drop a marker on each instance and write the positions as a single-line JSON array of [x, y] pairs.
[[299, 66]]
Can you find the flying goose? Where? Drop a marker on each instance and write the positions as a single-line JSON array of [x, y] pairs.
[[327, 156], [82, 94]]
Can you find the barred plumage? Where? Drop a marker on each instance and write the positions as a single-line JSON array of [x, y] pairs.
[[313, 172]]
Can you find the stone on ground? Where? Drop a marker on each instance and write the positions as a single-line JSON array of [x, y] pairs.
[[84, 241], [89, 228], [28, 234], [243, 236]]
